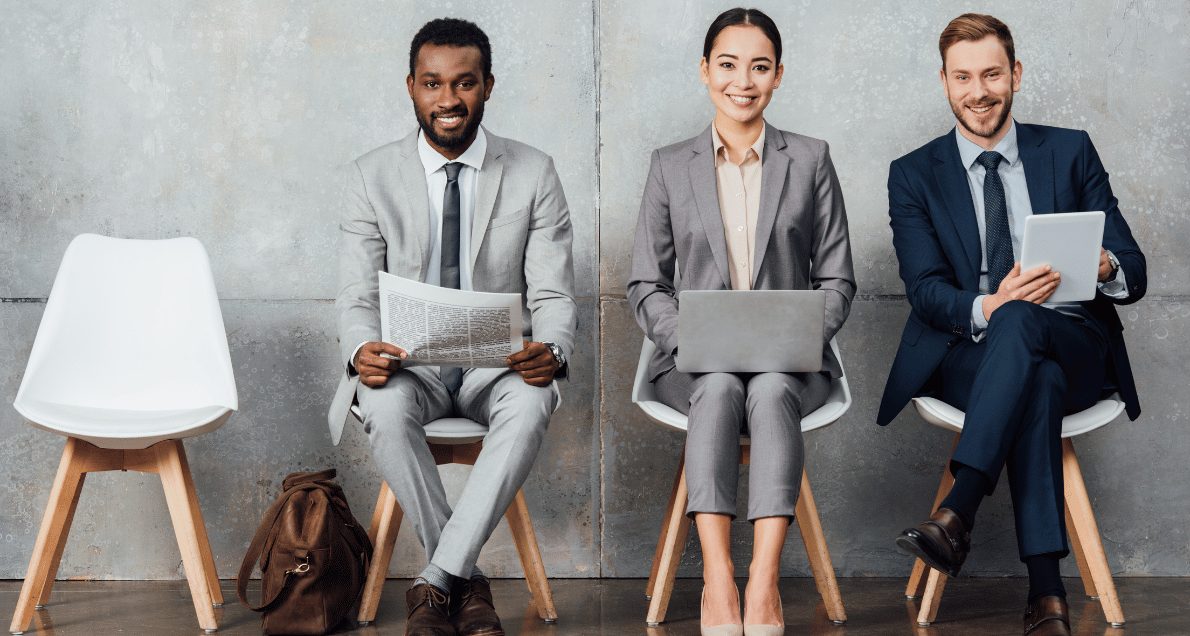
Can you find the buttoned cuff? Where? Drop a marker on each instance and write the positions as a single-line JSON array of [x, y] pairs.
[[351, 370], [1117, 287], [978, 322]]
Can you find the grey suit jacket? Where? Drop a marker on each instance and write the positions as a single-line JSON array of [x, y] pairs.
[[520, 243], [801, 235]]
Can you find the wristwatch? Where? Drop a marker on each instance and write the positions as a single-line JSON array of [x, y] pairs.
[[1115, 266], [557, 353]]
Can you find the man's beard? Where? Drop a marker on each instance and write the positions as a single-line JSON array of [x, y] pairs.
[[452, 140], [987, 134]]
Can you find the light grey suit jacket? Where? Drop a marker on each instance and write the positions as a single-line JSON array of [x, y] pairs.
[[520, 243], [801, 235]]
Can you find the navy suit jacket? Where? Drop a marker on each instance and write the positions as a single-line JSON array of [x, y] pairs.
[[936, 237]]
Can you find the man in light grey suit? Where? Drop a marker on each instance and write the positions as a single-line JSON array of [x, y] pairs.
[[455, 206]]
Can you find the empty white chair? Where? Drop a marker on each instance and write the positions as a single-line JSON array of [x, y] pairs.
[[675, 526], [130, 358], [1080, 518]]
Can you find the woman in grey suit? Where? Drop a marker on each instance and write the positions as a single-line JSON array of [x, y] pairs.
[[743, 205]]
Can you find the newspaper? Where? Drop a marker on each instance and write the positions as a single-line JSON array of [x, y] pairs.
[[449, 327]]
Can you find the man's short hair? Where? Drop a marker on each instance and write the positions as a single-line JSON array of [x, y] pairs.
[[972, 27], [452, 32]]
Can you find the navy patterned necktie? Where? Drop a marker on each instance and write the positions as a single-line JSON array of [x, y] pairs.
[[452, 377], [997, 236]]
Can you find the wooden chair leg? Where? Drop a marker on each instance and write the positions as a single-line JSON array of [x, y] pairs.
[[820, 558], [1086, 531], [51, 536], [677, 531], [1080, 557], [174, 471], [917, 578], [204, 542], [47, 584], [521, 526], [931, 597], [386, 522], [673, 494]]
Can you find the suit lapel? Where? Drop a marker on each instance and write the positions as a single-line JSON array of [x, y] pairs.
[[705, 186], [488, 188], [1039, 169], [774, 176], [951, 177], [413, 184]]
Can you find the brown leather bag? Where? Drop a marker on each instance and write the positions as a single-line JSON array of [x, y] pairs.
[[313, 558]]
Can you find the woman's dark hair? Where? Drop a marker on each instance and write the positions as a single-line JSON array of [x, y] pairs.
[[746, 17], [452, 32]]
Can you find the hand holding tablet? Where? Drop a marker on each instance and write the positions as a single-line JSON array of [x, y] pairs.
[[1071, 244]]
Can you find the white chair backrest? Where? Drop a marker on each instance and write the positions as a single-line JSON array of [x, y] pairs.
[[131, 324]]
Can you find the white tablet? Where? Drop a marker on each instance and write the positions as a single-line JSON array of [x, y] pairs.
[[1069, 242]]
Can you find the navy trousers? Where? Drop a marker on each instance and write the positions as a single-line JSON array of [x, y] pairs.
[[1034, 366]]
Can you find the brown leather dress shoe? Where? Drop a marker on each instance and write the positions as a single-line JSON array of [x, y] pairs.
[[474, 613], [942, 541], [1047, 616], [428, 612]]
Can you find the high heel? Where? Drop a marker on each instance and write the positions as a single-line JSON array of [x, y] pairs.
[[727, 629], [768, 630]]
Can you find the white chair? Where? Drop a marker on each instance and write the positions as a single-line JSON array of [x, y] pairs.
[[927, 583], [675, 526], [131, 357], [453, 440]]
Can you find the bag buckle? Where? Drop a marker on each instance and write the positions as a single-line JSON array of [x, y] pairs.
[[302, 567]]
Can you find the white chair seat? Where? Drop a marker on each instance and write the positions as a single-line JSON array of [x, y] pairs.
[[943, 415], [645, 397], [448, 430], [122, 428]]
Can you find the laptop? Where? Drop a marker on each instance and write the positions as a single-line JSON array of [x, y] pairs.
[[750, 331]]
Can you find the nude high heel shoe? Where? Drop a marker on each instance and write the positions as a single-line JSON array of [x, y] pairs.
[[728, 629], [768, 630]]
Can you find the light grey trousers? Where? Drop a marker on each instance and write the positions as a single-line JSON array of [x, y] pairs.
[[768, 407], [395, 416]]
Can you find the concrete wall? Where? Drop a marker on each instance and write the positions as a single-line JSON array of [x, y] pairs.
[[226, 121]]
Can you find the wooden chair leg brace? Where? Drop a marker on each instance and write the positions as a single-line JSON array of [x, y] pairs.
[[1085, 542], [675, 529], [168, 460], [386, 522]]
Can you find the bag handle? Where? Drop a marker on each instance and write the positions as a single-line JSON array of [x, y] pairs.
[[256, 547]]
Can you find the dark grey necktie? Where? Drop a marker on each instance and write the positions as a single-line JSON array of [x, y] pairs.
[[452, 377], [997, 236]]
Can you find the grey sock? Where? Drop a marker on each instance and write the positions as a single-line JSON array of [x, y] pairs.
[[435, 576], [477, 573]]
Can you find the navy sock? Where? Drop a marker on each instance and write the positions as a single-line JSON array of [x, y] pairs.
[[970, 487], [1045, 578]]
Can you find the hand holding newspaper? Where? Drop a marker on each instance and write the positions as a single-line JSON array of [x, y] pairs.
[[449, 327]]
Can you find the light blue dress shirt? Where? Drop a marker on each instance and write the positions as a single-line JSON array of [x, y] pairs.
[[1016, 196]]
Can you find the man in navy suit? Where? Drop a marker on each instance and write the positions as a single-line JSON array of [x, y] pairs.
[[980, 335]]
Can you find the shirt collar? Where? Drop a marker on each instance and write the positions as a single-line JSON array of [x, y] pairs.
[[721, 152], [473, 156], [969, 151]]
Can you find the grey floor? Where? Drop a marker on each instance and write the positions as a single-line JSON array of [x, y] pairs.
[[617, 606]]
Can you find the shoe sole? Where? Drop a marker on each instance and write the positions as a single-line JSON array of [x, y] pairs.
[[908, 544]]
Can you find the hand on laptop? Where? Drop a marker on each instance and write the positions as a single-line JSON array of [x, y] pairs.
[[1034, 285]]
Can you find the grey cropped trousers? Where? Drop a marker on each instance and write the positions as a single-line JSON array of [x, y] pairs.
[[395, 416], [768, 407]]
